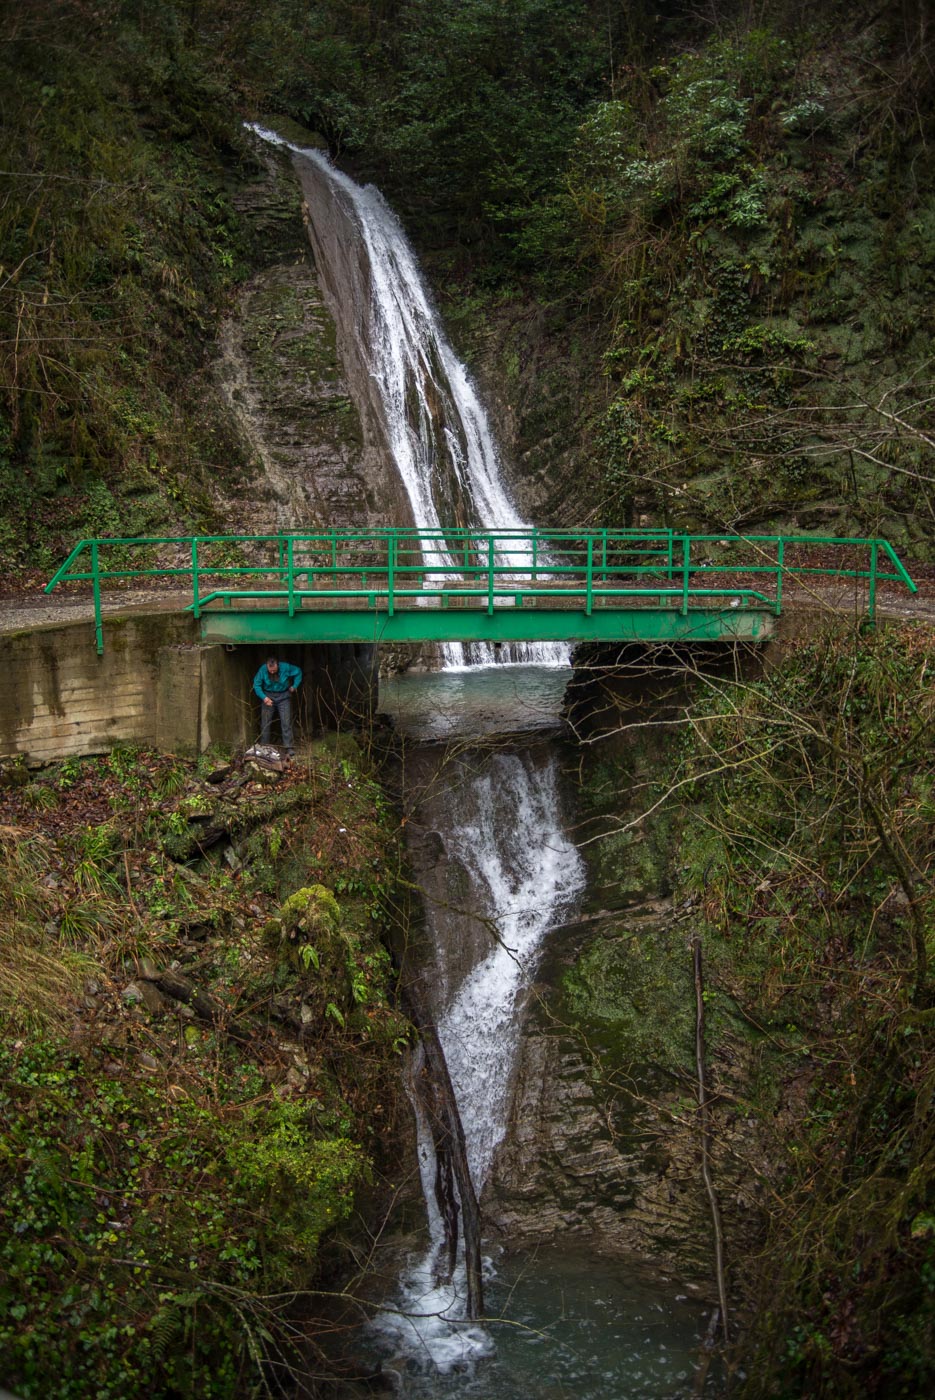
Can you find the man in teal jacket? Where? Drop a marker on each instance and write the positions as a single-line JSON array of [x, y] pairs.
[[275, 683]]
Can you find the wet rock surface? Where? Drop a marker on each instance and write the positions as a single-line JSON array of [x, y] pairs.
[[281, 376], [603, 1142], [608, 1149]]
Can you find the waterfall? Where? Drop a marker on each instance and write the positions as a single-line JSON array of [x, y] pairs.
[[502, 824], [523, 866], [434, 424], [502, 828]]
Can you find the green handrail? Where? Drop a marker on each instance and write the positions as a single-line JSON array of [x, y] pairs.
[[603, 567]]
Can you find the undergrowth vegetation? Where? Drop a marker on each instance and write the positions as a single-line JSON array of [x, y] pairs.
[[693, 254], [792, 812], [197, 1078], [809, 847]]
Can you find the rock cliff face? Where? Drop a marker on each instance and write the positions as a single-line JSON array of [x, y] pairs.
[[541, 383], [281, 374], [606, 1147], [576, 1163], [603, 1140]]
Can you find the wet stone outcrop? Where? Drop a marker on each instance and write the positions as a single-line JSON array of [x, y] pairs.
[[607, 1148], [603, 1141], [281, 375], [579, 1160]]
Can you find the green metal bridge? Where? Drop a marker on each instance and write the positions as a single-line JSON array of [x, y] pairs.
[[464, 585]]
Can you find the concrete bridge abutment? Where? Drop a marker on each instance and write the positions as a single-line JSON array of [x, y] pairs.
[[158, 685]]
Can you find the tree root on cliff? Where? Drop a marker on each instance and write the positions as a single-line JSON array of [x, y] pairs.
[[206, 1008]]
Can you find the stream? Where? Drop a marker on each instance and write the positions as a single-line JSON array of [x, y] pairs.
[[486, 811]]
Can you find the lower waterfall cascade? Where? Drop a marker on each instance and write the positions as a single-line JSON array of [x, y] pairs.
[[523, 874], [504, 871]]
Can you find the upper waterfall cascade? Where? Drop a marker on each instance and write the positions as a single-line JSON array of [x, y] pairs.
[[436, 429]]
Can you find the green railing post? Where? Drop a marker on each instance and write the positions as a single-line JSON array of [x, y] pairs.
[[196, 607], [62, 573], [780, 564], [895, 560], [290, 563], [98, 623], [490, 569], [670, 562], [589, 600], [535, 554], [685, 551], [391, 573], [872, 599]]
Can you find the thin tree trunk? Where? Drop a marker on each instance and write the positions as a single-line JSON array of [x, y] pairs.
[[451, 1151], [704, 1119]]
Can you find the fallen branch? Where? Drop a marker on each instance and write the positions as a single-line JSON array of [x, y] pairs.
[[205, 1008], [707, 1352]]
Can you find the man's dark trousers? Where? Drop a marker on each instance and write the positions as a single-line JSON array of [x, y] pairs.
[[282, 705]]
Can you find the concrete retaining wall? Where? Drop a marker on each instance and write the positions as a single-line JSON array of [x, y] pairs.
[[157, 685]]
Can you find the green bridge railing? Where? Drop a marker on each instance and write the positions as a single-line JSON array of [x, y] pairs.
[[396, 571]]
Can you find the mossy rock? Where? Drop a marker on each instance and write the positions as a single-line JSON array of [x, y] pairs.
[[624, 869], [338, 743], [309, 914], [308, 933]]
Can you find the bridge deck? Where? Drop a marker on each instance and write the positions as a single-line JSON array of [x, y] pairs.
[[405, 585]]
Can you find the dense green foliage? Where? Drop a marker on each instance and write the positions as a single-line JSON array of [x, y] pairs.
[[479, 102], [810, 846], [764, 242], [117, 245], [173, 1164], [737, 223], [143, 1237], [797, 816]]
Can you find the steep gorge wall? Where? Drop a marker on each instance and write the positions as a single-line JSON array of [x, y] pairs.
[[292, 382]]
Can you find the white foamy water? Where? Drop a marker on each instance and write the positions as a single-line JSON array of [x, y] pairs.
[[524, 872], [437, 429], [523, 869]]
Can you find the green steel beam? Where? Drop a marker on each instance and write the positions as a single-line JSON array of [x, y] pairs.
[[257, 626]]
